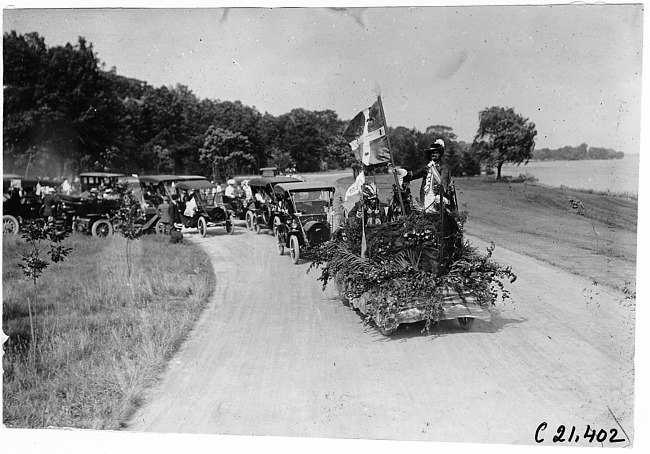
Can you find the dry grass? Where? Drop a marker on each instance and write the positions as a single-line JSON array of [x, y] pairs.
[[102, 338]]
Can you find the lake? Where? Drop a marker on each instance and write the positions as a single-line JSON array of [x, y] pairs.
[[616, 175]]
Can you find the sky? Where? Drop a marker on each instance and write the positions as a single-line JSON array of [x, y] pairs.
[[573, 70]]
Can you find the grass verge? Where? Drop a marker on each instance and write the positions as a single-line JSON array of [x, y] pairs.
[[102, 338]]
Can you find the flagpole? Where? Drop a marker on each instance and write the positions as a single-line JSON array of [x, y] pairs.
[[390, 152]]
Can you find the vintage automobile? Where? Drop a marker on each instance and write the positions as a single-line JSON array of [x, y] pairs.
[[269, 171], [97, 180], [152, 190], [210, 209], [90, 215], [21, 202], [263, 211], [307, 216]]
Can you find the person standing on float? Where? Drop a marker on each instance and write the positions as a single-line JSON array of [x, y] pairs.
[[433, 175]]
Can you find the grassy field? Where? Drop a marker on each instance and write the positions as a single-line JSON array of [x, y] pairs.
[[102, 338], [542, 222]]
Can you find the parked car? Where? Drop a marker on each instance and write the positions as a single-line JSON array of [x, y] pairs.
[[21, 201], [269, 171], [262, 212], [152, 190], [308, 216], [210, 209], [87, 214], [99, 180]]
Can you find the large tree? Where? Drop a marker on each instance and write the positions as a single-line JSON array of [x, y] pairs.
[[57, 104], [227, 152], [504, 136]]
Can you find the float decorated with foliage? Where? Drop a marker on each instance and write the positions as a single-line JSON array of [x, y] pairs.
[[418, 265]]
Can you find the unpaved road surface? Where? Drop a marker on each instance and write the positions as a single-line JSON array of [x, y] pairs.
[[275, 355]]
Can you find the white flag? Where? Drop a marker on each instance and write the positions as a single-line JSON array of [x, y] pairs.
[[355, 188]]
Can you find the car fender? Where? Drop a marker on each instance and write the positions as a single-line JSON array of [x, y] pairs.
[[310, 225]]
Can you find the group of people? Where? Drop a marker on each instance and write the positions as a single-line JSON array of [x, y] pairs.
[[232, 189], [436, 183], [175, 209]]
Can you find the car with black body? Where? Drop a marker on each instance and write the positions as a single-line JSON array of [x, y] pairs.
[[152, 192], [99, 181], [264, 211], [210, 210], [307, 220], [26, 199]]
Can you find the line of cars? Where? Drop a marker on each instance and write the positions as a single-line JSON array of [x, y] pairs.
[[298, 213], [91, 210], [29, 199]]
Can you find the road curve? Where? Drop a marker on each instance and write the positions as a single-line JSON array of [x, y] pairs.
[[274, 354]]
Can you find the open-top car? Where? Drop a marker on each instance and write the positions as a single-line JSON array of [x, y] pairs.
[[307, 220], [263, 212], [153, 190], [210, 209]]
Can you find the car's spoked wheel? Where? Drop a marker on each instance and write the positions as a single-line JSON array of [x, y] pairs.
[[276, 223], [102, 228], [466, 322], [249, 220], [256, 226], [202, 226], [10, 225], [294, 249], [160, 228]]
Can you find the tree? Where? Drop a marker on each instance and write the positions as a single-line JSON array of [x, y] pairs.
[[227, 152], [57, 102], [127, 220], [42, 238], [504, 136], [281, 159]]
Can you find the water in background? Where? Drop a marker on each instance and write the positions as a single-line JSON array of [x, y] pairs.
[[620, 176]]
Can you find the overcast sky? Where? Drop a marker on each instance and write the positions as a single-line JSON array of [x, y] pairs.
[[575, 71]]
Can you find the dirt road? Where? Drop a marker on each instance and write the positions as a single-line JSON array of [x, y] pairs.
[[273, 354]]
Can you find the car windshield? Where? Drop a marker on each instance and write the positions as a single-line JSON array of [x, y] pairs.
[[311, 202]]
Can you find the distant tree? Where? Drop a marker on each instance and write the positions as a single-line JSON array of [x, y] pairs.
[[281, 159], [306, 135], [464, 161], [504, 136], [405, 146], [227, 152], [339, 154]]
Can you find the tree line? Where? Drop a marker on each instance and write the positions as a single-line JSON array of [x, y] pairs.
[[583, 151], [65, 113]]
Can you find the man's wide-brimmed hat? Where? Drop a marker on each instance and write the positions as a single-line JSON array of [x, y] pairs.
[[437, 145]]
